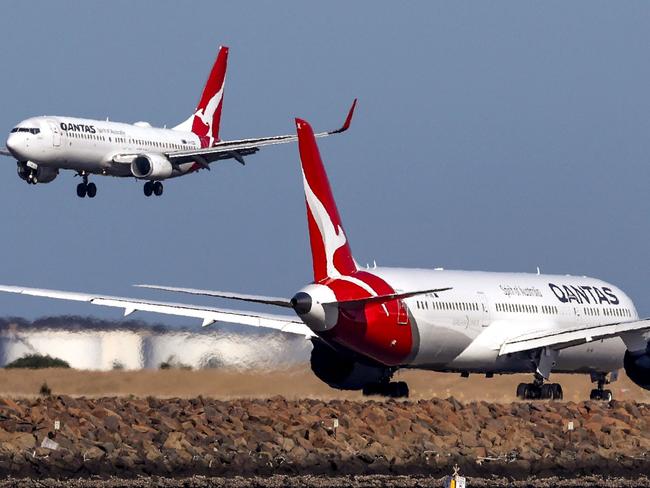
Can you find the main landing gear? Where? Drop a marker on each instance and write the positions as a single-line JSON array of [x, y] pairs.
[[544, 361], [392, 389], [599, 393], [85, 188], [538, 390], [155, 187]]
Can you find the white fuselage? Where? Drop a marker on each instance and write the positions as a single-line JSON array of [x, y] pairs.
[[94, 146], [462, 329]]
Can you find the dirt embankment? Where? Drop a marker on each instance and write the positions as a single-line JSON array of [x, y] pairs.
[[181, 437]]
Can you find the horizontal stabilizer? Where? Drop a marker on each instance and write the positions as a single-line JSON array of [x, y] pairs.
[[280, 302], [388, 297]]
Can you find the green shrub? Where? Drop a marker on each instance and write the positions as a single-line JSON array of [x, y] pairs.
[[45, 390], [173, 363], [37, 361]]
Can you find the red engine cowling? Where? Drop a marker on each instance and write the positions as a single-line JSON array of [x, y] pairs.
[[382, 331]]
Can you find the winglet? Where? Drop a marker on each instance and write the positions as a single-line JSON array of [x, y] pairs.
[[348, 120]]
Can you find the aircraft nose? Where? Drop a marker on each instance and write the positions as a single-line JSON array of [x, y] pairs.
[[15, 145], [11, 142]]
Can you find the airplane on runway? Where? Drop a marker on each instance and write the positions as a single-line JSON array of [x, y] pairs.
[[45, 145], [367, 323]]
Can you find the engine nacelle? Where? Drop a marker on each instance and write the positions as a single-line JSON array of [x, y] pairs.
[[151, 167], [637, 367], [342, 372], [32, 173]]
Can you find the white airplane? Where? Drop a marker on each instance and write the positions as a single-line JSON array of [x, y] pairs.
[[44, 145], [365, 324]]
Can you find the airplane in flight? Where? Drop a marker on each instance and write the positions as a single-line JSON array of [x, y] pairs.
[[45, 145], [367, 323]]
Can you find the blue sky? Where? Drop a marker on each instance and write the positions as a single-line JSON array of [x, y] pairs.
[[496, 136]]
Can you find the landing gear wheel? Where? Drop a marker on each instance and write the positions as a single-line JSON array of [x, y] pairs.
[[371, 389], [91, 190], [604, 395], [532, 391], [158, 188], [398, 389], [148, 188], [546, 391], [599, 393], [521, 391], [539, 391], [81, 190]]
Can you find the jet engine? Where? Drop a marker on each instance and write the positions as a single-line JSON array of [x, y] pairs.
[[637, 367], [32, 173], [343, 372], [151, 167]]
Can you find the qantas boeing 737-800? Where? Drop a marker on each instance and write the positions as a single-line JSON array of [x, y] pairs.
[[365, 324], [44, 145]]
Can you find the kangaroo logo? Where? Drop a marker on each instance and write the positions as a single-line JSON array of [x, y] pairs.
[[204, 117]]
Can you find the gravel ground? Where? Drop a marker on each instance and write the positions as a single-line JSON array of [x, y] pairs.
[[322, 481]]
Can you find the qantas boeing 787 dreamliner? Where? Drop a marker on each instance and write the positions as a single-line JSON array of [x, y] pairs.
[[365, 324], [45, 145]]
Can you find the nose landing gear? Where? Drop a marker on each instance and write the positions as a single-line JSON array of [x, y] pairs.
[[153, 187], [85, 188], [26, 173], [599, 393]]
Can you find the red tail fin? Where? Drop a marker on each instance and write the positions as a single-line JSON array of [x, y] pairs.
[[207, 116], [331, 254]]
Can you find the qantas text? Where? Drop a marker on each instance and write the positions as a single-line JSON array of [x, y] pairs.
[[584, 294], [78, 127]]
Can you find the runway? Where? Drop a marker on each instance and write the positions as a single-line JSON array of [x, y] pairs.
[[293, 383]]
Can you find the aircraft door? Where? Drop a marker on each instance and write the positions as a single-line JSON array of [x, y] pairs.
[[56, 134], [484, 310], [402, 313]]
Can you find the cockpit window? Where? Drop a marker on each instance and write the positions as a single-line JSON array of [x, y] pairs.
[[25, 129]]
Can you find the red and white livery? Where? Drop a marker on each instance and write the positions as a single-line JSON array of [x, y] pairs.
[[367, 323]]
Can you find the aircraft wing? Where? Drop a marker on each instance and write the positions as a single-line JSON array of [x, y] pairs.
[[209, 315], [563, 338], [237, 149], [4, 152]]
